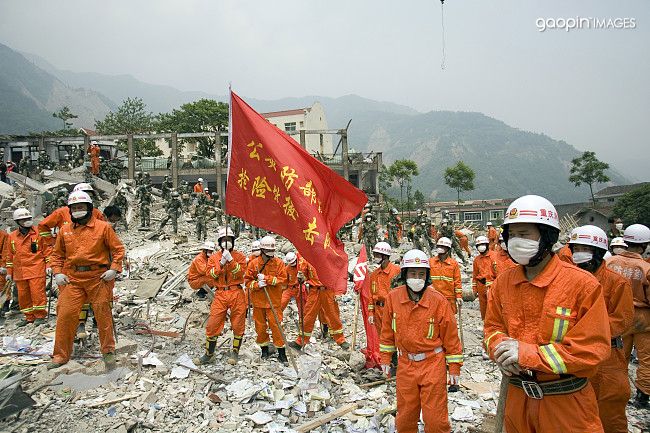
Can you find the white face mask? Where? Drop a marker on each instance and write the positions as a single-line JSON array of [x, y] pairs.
[[481, 248], [582, 257], [415, 284], [78, 214], [256, 253], [226, 245], [522, 250], [441, 251], [378, 260], [208, 253], [618, 250], [619, 226], [504, 246], [27, 223], [269, 253]]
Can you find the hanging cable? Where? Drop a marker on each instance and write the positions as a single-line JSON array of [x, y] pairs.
[[442, 19]]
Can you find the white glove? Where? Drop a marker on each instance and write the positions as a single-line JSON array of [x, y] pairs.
[[48, 271], [459, 302], [506, 355], [262, 283], [109, 275], [3, 271], [371, 320], [61, 279], [260, 277], [227, 255], [385, 368], [454, 380]]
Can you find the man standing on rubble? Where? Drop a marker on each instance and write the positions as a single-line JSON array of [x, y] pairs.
[[174, 208], [630, 264], [265, 278], [166, 188], [419, 325], [484, 272], [201, 218], [546, 327], [611, 384], [94, 152], [86, 258], [444, 273], [382, 280], [501, 257], [27, 262], [198, 186], [226, 267], [492, 235], [293, 285], [197, 274], [4, 286]]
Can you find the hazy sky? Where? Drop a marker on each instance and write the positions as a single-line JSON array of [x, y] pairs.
[[590, 87]]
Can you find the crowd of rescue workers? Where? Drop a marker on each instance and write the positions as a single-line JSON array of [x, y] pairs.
[[562, 325]]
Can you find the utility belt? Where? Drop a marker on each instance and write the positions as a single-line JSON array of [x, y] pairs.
[[225, 289], [380, 303], [617, 342], [537, 390], [419, 357], [88, 268], [482, 280]]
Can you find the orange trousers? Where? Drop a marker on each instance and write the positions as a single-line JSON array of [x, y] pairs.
[[640, 337], [31, 298], [378, 314], [452, 303], [292, 292], [263, 321], [3, 282], [71, 298], [570, 413], [612, 388], [94, 165], [464, 244], [322, 298], [481, 292], [224, 300], [422, 387]]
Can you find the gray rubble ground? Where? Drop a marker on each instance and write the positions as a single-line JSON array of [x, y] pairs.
[[149, 392]]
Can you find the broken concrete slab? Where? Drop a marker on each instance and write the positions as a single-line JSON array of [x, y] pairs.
[[150, 287], [27, 181], [82, 382]]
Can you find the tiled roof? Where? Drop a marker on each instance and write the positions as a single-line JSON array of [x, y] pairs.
[[619, 189], [285, 113]]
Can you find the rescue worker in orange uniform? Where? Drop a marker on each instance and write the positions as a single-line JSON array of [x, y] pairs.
[[226, 268], [266, 275], [564, 254], [86, 258], [293, 285], [463, 242], [94, 158], [420, 326], [197, 275], [320, 301], [493, 236], [484, 272], [206, 192], [255, 251], [501, 257], [611, 384], [27, 261], [381, 281], [546, 327], [4, 287], [630, 264], [445, 274], [198, 186]]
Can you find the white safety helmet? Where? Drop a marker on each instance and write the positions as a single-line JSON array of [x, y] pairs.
[[200, 180], [206, 189], [93, 142], [267, 243], [444, 242], [79, 197], [382, 248], [589, 235], [209, 245], [83, 186], [489, 223], [637, 234], [255, 246], [291, 258], [532, 209], [480, 240], [224, 232], [618, 242], [415, 259], [22, 214]]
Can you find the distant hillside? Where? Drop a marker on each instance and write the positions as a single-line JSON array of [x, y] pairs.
[[30, 95]]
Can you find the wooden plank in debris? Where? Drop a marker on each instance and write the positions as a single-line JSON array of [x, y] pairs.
[[29, 182], [114, 400], [150, 287], [324, 419]]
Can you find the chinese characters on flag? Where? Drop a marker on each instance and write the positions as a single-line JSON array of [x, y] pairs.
[[275, 184]]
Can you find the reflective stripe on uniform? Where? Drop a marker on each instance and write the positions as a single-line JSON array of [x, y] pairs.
[[393, 323], [385, 348], [553, 358], [487, 342], [454, 359], [431, 328], [560, 325], [441, 278]]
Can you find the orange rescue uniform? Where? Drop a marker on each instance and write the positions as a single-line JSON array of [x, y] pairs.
[[463, 241], [83, 253], [380, 284], [4, 253], [57, 219], [94, 159], [445, 278], [228, 282], [292, 288], [198, 188], [632, 266], [26, 262], [425, 336], [503, 261], [565, 254], [493, 237], [275, 277], [560, 321], [611, 383], [197, 274], [484, 273]]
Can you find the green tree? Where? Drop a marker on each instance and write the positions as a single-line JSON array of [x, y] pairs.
[[204, 115], [132, 117], [65, 114], [385, 181], [634, 206], [461, 178], [402, 172], [588, 169], [418, 198]]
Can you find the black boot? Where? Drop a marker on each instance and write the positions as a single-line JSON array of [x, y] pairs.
[[324, 331], [265, 352], [282, 356], [641, 400], [208, 356], [234, 354]]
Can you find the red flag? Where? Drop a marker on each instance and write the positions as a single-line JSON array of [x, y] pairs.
[[275, 184], [362, 286]]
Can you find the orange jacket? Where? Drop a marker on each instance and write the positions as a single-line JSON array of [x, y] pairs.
[[617, 292], [23, 263], [197, 273], [275, 276], [4, 248], [310, 274], [95, 151], [560, 319], [380, 283], [493, 236], [485, 269], [503, 261], [198, 187], [60, 217], [292, 275], [632, 267], [94, 244], [420, 327], [565, 254], [229, 275], [445, 277]]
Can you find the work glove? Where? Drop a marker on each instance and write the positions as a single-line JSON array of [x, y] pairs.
[[459, 302], [371, 320], [61, 279], [262, 283], [453, 380], [385, 368], [9, 279], [506, 355], [301, 277], [227, 255], [48, 271], [109, 275], [3, 271]]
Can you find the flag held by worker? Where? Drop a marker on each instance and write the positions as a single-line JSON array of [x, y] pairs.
[[362, 287], [275, 184]]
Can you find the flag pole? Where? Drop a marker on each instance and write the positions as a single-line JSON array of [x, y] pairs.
[[356, 321]]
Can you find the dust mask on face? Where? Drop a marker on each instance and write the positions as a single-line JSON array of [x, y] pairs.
[[481, 248], [78, 214], [618, 250], [441, 251], [27, 223], [619, 226], [256, 253], [522, 250], [378, 260], [415, 284], [226, 245], [582, 257]]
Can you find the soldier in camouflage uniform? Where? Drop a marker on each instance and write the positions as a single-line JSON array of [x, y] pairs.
[[43, 161], [166, 188], [447, 230], [144, 200], [25, 166], [122, 203], [369, 227], [173, 208], [186, 194], [345, 233], [201, 216], [394, 225], [218, 210]]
